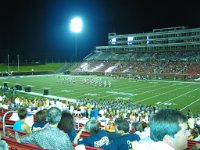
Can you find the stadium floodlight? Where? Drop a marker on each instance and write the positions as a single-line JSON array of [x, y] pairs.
[[130, 40], [76, 24], [148, 40], [113, 41], [76, 27]]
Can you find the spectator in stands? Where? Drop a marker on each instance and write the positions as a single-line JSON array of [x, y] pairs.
[[20, 125], [196, 133], [191, 121], [94, 113], [89, 111], [82, 110], [50, 137], [98, 137], [12, 105], [110, 127], [139, 130], [123, 141], [66, 124], [168, 131], [112, 132], [3, 144], [196, 146], [41, 121]]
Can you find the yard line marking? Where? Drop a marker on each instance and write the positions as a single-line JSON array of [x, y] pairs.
[[181, 95], [155, 89], [159, 94], [190, 104]]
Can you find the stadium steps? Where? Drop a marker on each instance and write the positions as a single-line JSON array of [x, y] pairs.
[[64, 68], [194, 69]]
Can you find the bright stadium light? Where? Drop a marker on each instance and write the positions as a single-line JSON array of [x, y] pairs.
[[76, 27], [113, 41], [130, 40], [76, 24]]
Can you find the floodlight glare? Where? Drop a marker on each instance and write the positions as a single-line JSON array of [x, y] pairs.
[[113, 41], [130, 40], [76, 24]]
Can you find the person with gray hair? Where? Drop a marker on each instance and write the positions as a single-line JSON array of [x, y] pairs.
[[50, 137]]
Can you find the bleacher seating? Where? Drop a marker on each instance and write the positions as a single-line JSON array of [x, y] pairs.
[[7, 121], [191, 143], [84, 134], [194, 69], [92, 148], [9, 132], [14, 145]]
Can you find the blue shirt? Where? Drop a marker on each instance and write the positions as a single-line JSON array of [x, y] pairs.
[[17, 126], [122, 142], [38, 126], [98, 140], [72, 134], [112, 135], [94, 113]]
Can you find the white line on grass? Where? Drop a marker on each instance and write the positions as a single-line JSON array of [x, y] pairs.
[[158, 95], [190, 104], [181, 95]]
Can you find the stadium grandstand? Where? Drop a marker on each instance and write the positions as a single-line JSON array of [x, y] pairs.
[[163, 53]]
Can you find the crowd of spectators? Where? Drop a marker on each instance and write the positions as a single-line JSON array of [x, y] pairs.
[[145, 63], [111, 125]]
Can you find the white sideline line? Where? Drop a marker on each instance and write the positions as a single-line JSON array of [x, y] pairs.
[[48, 96], [190, 104]]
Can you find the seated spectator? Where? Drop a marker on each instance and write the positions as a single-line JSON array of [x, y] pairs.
[[195, 133], [41, 121], [94, 113], [66, 124], [114, 134], [168, 131], [98, 137], [3, 144], [110, 127], [196, 146], [123, 141], [50, 137], [20, 125], [139, 130]]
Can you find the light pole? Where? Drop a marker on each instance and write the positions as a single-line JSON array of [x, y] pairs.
[[8, 63], [76, 27], [18, 62]]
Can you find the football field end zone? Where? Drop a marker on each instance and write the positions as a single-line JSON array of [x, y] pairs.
[[48, 96]]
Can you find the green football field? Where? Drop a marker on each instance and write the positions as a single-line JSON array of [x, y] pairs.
[[175, 94]]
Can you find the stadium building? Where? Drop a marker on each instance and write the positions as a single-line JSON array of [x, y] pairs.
[[163, 53]]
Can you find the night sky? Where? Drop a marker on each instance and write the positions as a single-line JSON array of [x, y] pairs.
[[38, 30]]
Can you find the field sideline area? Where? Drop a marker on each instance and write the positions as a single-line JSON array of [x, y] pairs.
[[175, 94]]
